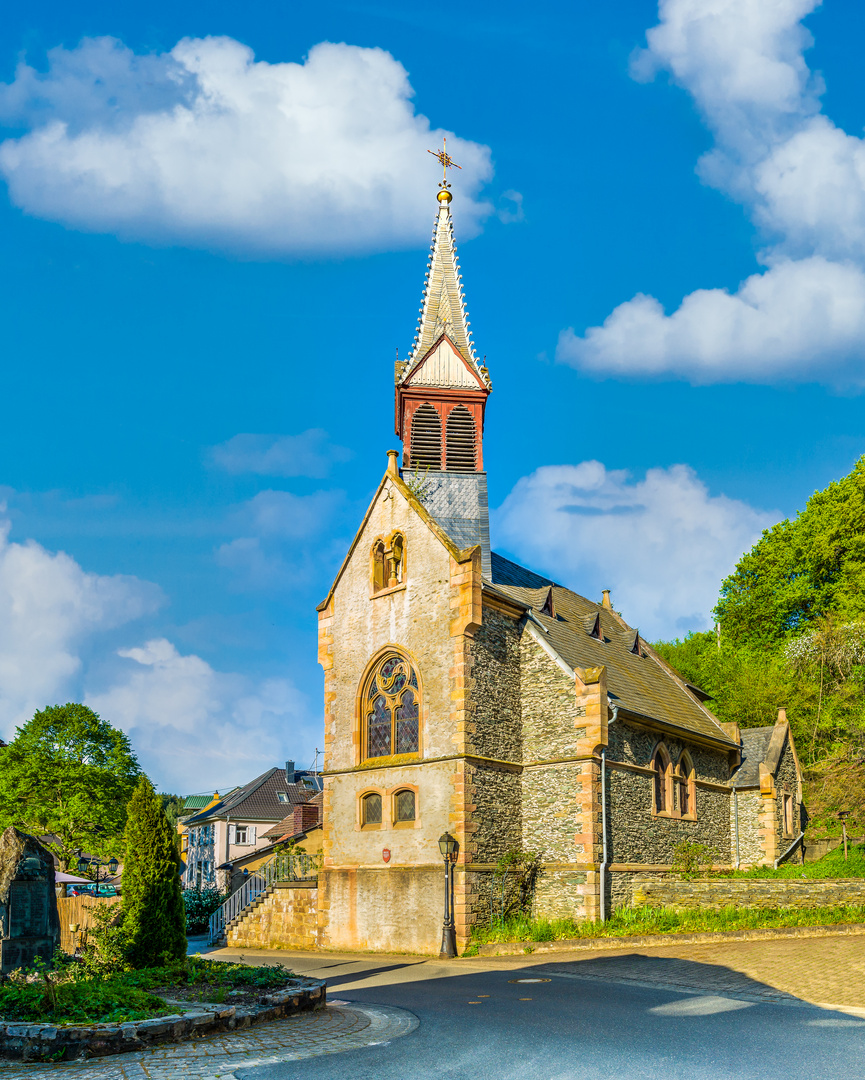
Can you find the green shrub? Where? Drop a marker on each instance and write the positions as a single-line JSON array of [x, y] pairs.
[[153, 914], [200, 904]]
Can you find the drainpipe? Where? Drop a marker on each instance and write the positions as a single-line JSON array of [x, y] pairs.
[[736, 821], [604, 818]]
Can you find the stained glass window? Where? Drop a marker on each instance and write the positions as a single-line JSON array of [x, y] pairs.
[[392, 709], [405, 810], [407, 724], [379, 728], [372, 810]]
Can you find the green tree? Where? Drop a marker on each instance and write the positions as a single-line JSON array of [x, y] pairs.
[[172, 805], [67, 776], [800, 570], [153, 915]]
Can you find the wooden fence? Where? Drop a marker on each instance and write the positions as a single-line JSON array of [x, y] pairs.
[[76, 909]]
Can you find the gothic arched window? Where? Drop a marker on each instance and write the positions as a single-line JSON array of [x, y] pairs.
[[426, 438], [461, 455], [391, 709], [685, 782], [661, 780]]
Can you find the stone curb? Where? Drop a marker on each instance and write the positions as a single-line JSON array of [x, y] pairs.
[[600, 944], [51, 1042]]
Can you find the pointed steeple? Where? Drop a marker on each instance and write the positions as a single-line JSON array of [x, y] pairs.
[[443, 315]]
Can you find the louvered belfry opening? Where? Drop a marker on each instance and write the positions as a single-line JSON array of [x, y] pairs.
[[461, 456], [426, 439]]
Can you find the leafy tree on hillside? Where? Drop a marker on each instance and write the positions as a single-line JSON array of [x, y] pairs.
[[172, 805], [801, 570], [68, 775], [153, 915]]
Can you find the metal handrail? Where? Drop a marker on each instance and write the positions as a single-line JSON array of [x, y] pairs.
[[293, 866]]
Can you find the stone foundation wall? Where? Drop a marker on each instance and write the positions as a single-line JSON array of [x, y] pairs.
[[395, 909], [651, 890], [285, 919], [562, 893]]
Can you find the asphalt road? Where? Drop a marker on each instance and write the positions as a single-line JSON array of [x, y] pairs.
[[476, 1023]]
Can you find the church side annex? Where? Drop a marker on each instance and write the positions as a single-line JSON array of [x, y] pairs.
[[467, 694]]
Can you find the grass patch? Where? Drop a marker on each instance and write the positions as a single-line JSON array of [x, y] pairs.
[[832, 865], [67, 995], [645, 920]]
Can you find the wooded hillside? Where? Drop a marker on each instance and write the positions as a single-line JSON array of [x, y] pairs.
[[791, 634]]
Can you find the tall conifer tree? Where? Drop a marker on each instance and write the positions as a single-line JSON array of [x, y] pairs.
[[152, 899]]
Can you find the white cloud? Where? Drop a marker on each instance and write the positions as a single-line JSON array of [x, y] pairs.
[[192, 726], [51, 610], [311, 453], [661, 544], [208, 147], [801, 179], [197, 727]]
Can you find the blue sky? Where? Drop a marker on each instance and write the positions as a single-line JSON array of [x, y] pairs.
[[209, 261]]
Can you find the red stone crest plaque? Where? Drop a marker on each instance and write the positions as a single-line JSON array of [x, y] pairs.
[[385, 854]]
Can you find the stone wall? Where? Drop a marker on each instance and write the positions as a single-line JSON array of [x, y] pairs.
[[672, 891], [286, 918], [494, 720], [548, 705], [496, 818], [553, 810], [786, 783], [561, 893], [750, 847]]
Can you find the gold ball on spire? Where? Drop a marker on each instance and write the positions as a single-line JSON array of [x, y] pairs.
[[444, 196]]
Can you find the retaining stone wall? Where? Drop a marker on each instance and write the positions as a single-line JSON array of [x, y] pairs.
[[285, 919], [650, 890], [495, 674]]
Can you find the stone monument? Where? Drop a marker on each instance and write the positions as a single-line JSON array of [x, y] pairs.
[[29, 923]]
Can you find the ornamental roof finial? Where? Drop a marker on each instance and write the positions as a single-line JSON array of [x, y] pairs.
[[447, 162]]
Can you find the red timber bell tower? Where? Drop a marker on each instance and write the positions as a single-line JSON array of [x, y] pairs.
[[441, 395]]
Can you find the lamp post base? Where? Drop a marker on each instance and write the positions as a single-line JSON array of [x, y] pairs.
[[449, 943]]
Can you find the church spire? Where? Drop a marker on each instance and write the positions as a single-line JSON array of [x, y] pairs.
[[443, 310]]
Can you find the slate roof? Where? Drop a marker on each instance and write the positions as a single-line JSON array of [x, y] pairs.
[[258, 800], [641, 684], [755, 748]]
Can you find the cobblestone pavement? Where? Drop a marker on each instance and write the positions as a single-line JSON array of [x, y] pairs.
[[822, 971], [331, 1030]]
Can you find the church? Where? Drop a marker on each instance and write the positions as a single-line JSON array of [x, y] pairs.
[[468, 695]]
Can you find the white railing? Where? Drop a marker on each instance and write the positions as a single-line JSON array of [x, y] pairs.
[[296, 866]]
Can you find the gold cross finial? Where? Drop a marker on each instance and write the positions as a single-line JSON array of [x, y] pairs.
[[447, 162]]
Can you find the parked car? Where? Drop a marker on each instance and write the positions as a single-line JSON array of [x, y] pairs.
[[92, 889]]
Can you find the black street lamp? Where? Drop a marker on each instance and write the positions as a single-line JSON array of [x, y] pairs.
[[85, 865], [449, 848]]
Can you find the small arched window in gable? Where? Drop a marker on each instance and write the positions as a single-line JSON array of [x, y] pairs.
[[391, 705], [461, 455], [379, 567], [661, 780], [686, 786], [370, 809], [426, 438]]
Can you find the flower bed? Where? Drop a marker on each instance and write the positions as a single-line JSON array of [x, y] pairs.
[[56, 1018]]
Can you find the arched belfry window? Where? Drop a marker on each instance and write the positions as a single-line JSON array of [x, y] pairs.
[[388, 562], [426, 438], [391, 708], [461, 456]]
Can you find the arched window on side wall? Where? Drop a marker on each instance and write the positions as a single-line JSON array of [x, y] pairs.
[[405, 807], [426, 439], [685, 783], [391, 709], [662, 770], [461, 453]]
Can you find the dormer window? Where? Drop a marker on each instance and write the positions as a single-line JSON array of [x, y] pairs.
[[595, 628], [548, 609]]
